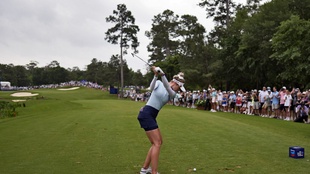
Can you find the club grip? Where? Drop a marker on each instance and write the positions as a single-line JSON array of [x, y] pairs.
[[158, 69]]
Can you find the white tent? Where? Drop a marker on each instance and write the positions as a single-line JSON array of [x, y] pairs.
[[5, 84]]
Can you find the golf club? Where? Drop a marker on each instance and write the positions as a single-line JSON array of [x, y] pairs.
[[133, 55]]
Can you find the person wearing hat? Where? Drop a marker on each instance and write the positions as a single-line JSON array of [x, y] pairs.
[[225, 101], [162, 92], [214, 100], [238, 102], [287, 104]]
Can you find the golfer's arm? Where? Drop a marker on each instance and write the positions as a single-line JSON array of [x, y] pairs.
[[167, 86], [153, 82]]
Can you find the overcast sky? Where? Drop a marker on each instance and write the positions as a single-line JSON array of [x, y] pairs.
[[72, 31]]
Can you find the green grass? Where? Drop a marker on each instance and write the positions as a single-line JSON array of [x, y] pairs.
[[90, 131]]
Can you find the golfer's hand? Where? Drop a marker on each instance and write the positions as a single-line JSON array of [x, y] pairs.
[[154, 70], [159, 71]]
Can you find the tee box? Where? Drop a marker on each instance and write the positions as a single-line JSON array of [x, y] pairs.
[[296, 152]]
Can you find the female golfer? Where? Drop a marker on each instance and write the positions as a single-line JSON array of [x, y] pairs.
[[162, 92]]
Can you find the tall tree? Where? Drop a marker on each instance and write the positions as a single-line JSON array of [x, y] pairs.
[[7, 73], [92, 71], [300, 8], [291, 45], [123, 32], [163, 36], [193, 60], [220, 10], [21, 76], [114, 71], [255, 45], [223, 13], [54, 74], [30, 69], [37, 77], [138, 79], [75, 73]]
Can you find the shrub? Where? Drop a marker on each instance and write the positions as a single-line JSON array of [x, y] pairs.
[[8, 109], [200, 103]]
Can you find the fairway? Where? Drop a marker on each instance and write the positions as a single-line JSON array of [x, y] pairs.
[[90, 131]]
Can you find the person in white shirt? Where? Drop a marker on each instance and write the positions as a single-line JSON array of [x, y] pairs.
[[195, 98], [214, 100], [219, 100], [287, 104], [261, 97]]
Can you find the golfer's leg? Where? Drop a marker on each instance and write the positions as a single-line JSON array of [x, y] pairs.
[[156, 140], [148, 159]]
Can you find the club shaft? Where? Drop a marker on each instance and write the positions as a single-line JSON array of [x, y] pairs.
[[142, 60]]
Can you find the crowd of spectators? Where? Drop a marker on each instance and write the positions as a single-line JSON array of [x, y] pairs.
[[289, 105], [286, 104], [52, 86]]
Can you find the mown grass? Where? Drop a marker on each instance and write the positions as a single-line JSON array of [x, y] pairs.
[[90, 131]]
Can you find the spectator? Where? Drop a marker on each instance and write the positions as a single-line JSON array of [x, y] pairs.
[[232, 100], [302, 115], [256, 103], [275, 102], [293, 104], [261, 97], [287, 104], [224, 101], [214, 98], [250, 104], [243, 109], [195, 98], [219, 100], [282, 100], [268, 103], [189, 99], [208, 103], [238, 103]]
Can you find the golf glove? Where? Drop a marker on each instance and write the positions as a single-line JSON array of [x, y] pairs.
[[160, 71]]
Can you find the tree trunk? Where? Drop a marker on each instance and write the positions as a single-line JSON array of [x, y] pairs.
[[122, 73]]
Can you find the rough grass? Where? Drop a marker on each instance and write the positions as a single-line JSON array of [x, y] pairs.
[[90, 131]]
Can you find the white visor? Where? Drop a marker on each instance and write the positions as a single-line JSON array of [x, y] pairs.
[[180, 84], [183, 89]]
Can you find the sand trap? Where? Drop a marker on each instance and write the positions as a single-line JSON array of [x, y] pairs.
[[18, 100], [68, 89], [23, 94]]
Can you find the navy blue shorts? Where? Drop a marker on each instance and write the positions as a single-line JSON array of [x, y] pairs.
[[147, 118]]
